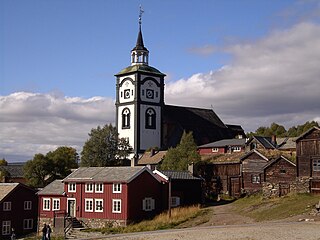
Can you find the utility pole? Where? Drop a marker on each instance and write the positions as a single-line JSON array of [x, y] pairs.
[[169, 200]]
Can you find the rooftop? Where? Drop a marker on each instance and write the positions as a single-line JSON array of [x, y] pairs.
[[6, 188]]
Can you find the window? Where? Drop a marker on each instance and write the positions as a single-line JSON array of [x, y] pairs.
[[55, 204], [236, 149], [6, 227], [148, 204], [46, 204], [27, 205], [175, 201], [150, 119], [116, 188], [316, 164], [215, 149], [27, 223], [126, 118], [98, 205], [88, 205], [99, 187], [116, 205], [283, 171], [71, 187], [89, 187], [7, 206], [255, 179]]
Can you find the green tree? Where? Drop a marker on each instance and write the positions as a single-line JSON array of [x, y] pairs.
[[38, 171], [63, 160], [3, 162], [104, 148], [179, 157]]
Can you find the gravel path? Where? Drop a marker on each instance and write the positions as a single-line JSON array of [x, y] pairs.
[[266, 231]]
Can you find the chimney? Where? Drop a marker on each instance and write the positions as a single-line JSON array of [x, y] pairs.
[[191, 168], [152, 152], [134, 161], [274, 140]]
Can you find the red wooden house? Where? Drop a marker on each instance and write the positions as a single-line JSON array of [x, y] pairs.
[[101, 195], [18, 209], [223, 146]]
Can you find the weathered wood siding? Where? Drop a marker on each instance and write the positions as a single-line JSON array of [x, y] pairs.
[[280, 172]]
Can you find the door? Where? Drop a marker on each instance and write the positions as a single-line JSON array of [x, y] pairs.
[[235, 187], [284, 189], [72, 207]]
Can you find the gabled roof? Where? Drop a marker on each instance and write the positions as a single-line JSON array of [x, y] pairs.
[[252, 152], [276, 160], [307, 132], [6, 188], [105, 174], [176, 175], [148, 158], [225, 143], [15, 170], [54, 188], [264, 141], [286, 143]]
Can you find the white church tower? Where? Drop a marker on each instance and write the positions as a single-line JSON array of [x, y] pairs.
[[140, 100]]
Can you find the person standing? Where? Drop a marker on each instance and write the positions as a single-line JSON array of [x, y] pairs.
[[48, 232], [13, 235], [44, 232]]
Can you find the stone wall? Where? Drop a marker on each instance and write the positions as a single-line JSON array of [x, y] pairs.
[[102, 223]]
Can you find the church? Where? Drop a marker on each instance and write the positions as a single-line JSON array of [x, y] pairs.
[[143, 118]]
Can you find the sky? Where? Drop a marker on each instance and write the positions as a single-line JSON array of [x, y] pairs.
[[252, 62]]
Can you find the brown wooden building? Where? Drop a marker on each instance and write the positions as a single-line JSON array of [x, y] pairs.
[[308, 158]]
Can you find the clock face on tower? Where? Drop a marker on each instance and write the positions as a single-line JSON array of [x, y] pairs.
[[126, 93], [150, 93]]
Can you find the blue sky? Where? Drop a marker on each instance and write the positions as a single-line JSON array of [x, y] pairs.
[[76, 46], [254, 62]]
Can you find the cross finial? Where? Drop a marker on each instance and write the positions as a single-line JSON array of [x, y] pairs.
[[140, 15]]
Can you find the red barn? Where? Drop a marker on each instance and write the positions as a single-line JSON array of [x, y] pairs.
[[103, 195], [18, 209]]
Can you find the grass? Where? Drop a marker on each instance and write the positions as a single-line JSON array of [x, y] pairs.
[[162, 221], [277, 208]]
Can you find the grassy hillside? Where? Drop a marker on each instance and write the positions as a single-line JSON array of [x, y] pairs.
[[274, 209]]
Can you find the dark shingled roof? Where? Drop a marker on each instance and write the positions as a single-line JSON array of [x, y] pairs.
[[181, 175], [54, 188], [224, 143], [15, 170], [265, 142], [139, 44], [104, 174], [205, 125]]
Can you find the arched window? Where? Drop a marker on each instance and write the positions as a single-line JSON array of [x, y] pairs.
[[126, 118], [150, 118]]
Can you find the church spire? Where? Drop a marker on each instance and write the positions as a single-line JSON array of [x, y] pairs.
[[139, 54]]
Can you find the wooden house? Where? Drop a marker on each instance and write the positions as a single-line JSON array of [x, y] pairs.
[[223, 146], [308, 158], [18, 209], [102, 195], [279, 175], [261, 143], [13, 172], [151, 159], [186, 189]]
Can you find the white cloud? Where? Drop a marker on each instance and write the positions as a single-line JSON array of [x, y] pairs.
[[37, 123], [275, 79]]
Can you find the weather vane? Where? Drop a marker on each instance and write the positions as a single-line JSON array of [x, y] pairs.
[[140, 15]]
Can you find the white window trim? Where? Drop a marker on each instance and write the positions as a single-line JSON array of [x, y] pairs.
[[53, 201], [214, 149], [85, 204], [236, 149], [27, 205], [28, 223], [148, 204], [113, 209], [316, 165], [87, 186], [71, 189], [95, 204], [44, 205], [6, 206], [115, 188], [6, 228], [96, 188], [255, 179]]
